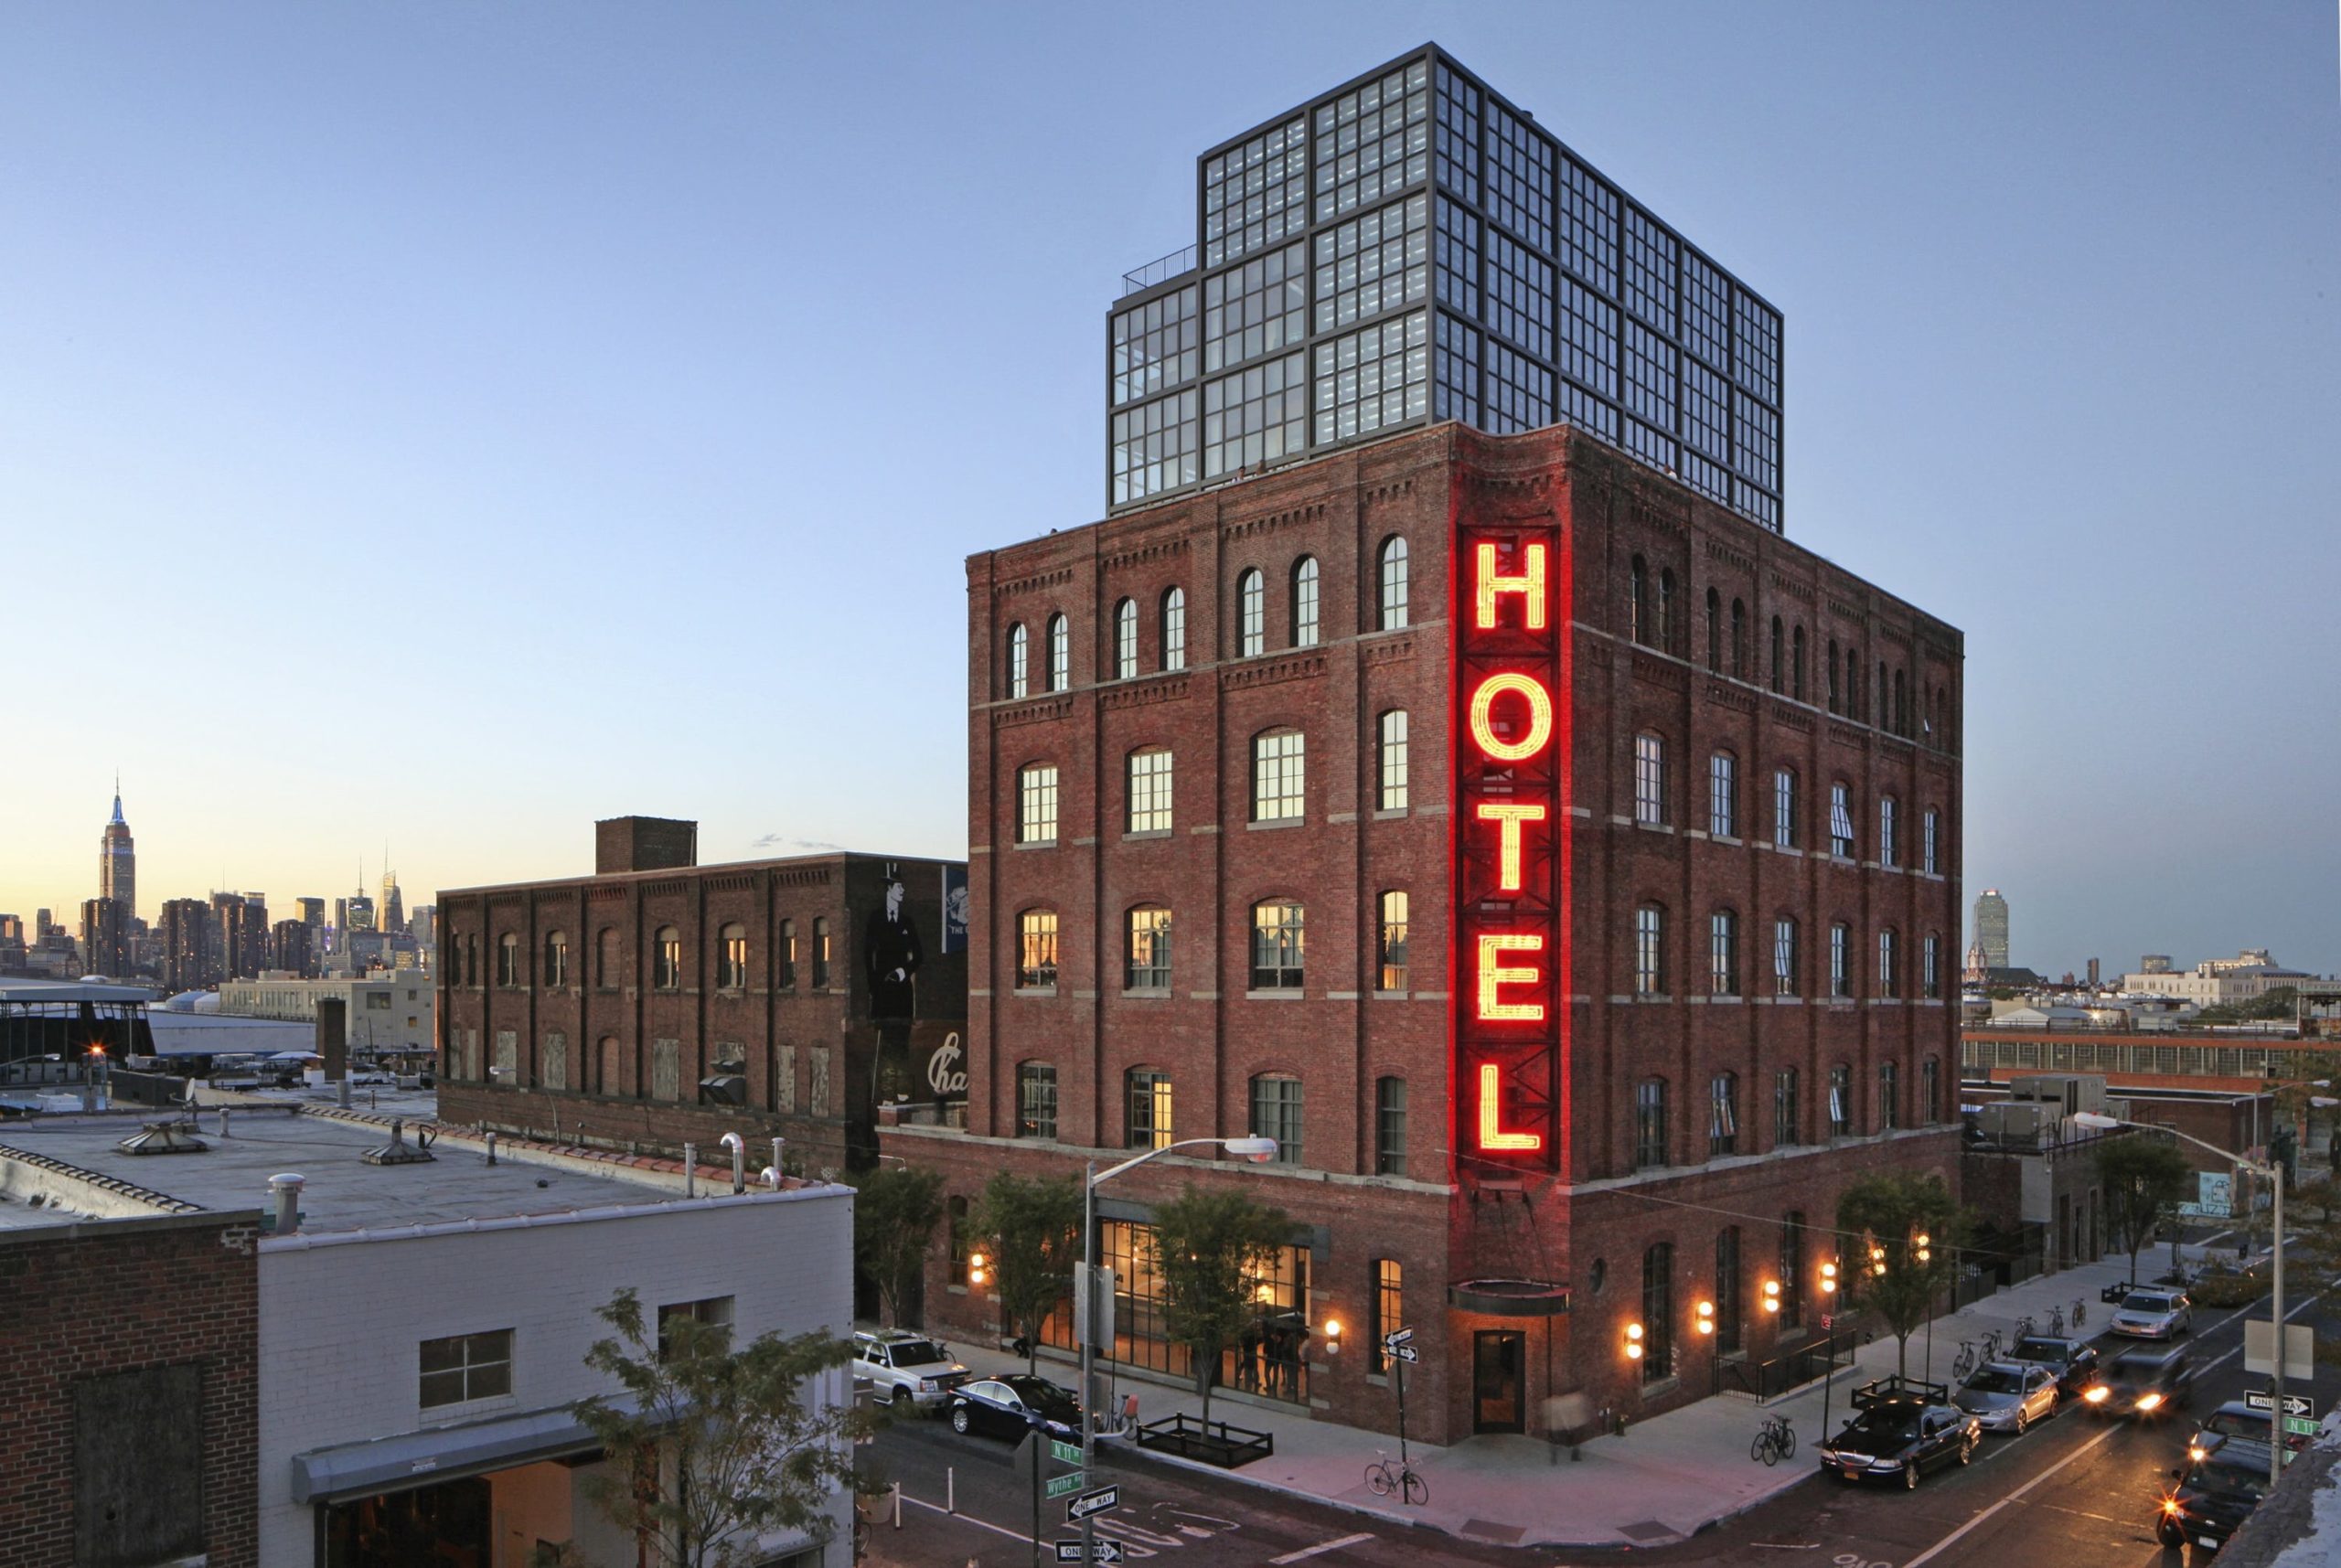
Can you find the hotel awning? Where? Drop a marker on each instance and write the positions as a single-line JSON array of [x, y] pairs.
[[423, 1458]]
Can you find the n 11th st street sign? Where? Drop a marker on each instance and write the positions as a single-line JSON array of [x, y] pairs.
[[1065, 1453], [1106, 1551], [1070, 1482], [1098, 1501]]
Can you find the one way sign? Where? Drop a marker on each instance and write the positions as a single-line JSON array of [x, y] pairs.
[[2259, 1399], [1405, 1353], [1107, 1550]]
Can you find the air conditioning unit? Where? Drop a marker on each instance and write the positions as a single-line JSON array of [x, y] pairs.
[[724, 1089]]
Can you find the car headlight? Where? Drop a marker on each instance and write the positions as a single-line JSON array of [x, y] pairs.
[[926, 1385], [2197, 1453], [2149, 1401], [2170, 1507], [2099, 1394]]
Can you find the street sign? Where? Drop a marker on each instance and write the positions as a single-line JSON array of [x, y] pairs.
[[1397, 1337], [1070, 1482], [1106, 1551], [1405, 1353], [2299, 1426], [2259, 1349], [2294, 1404], [1098, 1501], [1065, 1453]]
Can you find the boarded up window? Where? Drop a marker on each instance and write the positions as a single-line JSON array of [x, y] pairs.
[[612, 1080], [556, 1062], [665, 1069], [507, 1056], [784, 1080], [138, 1467], [820, 1086]]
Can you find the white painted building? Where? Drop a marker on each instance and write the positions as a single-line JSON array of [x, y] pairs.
[[2214, 982], [388, 1011], [422, 1328]]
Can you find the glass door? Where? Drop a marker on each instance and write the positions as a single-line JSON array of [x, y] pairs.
[[1498, 1356]]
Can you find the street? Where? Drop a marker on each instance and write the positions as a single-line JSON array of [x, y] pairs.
[[2072, 1491]]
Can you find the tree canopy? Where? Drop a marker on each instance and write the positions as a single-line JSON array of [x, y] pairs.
[[895, 1211], [1909, 1229], [2145, 1177], [1209, 1248], [1034, 1226]]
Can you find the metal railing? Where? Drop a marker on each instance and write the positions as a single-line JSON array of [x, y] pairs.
[[1160, 269]]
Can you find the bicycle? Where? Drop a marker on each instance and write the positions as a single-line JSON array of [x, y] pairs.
[[2023, 1327], [2057, 1321], [1963, 1366], [1775, 1441], [1382, 1479], [1993, 1345], [2080, 1312]]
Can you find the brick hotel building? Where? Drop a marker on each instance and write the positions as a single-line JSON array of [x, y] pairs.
[[1556, 860]]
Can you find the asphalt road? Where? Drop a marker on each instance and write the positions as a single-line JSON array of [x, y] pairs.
[[2073, 1491]]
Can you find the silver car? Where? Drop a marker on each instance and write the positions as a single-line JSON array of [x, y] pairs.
[[2008, 1396], [2153, 1314]]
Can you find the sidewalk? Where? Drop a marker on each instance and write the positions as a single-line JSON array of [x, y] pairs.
[[1664, 1480]]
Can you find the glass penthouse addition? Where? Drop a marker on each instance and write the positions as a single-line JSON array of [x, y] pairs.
[[1411, 248]]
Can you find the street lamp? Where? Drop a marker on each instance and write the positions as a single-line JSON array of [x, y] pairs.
[[1259, 1151], [2274, 1173]]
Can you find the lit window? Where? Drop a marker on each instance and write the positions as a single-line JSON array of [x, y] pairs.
[[1650, 1122], [1391, 947], [1278, 769], [1036, 949], [1304, 603], [1020, 669], [508, 960], [731, 960], [1149, 792], [1174, 629], [1841, 942], [667, 975], [1276, 1114], [1723, 796], [820, 953], [1723, 1114], [789, 955], [1784, 1097], [467, 1367], [1148, 968], [1251, 615], [1649, 779], [1389, 1311], [1783, 808], [1277, 945], [556, 964], [1149, 1110], [1124, 640], [1840, 1101], [1886, 850], [1036, 804], [1841, 820], [1391, 795], [1390, 1126], [1723, 954], [1036, 1100], [1650, 950], [1393, 584], [1784, 957]]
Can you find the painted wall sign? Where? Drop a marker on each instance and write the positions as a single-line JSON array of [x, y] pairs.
[[1511, 737]]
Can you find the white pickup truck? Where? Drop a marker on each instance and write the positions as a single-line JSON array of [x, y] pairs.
[[906, 1367]]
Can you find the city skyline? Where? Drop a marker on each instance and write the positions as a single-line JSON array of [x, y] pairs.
[[382, 374]]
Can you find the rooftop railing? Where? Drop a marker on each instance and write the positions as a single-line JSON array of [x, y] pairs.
[[1162, 269]]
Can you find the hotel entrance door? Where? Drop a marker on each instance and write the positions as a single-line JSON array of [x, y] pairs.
[[1498, 1358]]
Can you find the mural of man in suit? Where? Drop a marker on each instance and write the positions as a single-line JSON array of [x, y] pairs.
[[890, 956]]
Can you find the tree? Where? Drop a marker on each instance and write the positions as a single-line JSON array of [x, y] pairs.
[[895, 1211], [2145, 1177], [1209, 1250], [1034, 1227], [713, 1447], [1911, 1232]]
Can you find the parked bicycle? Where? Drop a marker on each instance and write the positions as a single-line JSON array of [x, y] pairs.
[[1383, 1479], [2057, 1321], [1775, 1441], [2023, 1329], [1962, 1366], [2080, 1312], [1993, 1345]]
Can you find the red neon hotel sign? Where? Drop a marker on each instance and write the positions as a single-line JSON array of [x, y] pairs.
[[1511, 751]]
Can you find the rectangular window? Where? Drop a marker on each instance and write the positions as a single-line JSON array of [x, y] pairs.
[[669, 973], [1930, 966], [1783, 810], [1930, 1089], [1784, 1117], [1658, 1312], [1393, 762], [1723, 954], [1149, 956], [1841, 975], [1792, 1271], [1728, 1290], [789, 955], [732, 966], [1888, 847], [1723, 796], [1036, 1101], [1650, 1124], [1389, 1311], [1841, 1102], [1276, 1114], [1036, 949], [715, 1312], [1278, 776], [1929, 825], [1277, 946], [465, 1367], [1174, 630], [1375, 262], [1649, 779], [1036, 804], [1391, 947], [820, 953], [1650, 950], [1723, 1114], [1254, 309], [1390, 1126], [1149, 1111], [1841, 821], [1157, 447], [1258, 415], [1784, 956], [1889, 1096], [665, 1069], [1374, 379], [1149, 792], [1256, 194], [1889, 965]]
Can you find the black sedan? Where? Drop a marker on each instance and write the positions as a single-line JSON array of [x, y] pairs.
[[2150, 1383], [1900, 1438], [2216, 1493], [2074, 1360], [1013, 1405]]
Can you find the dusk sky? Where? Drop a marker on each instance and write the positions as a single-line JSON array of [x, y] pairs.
[[448, 425]]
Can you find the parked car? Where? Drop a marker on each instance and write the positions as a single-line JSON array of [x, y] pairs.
[[2216, 1493], [904, 1367], [2147, 1383], [1013, 1405], [2153, 1315], [2073, 1360], [1902, 1437], [2241, 1423], [2009, 1396]]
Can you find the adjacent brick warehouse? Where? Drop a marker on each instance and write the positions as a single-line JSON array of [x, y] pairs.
[[1691, 633], [564, 1013], [102, 1305]]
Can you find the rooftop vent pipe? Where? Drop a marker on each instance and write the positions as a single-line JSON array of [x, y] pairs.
[[286, 1191], [690, 1170], [739, 1148]]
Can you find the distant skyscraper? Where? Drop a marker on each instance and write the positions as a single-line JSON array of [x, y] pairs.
[[393, 907], [105, 938], [187, 948], [1992, 927], [290, 938], [118, 863], [313, 914], [361, 913]]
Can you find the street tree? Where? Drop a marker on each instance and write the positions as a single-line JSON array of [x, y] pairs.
[[1034, 1224], [2144, 1177], [1910, 1231], [1209, 1248], [714, 1448], [895, 1211]]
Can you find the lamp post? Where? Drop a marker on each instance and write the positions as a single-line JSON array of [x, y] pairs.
[[1258, 1150], [2274, 1172]]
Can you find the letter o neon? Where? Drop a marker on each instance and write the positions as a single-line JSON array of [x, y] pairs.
[[1540, 717]]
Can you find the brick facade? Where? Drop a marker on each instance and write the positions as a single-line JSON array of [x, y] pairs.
[[615, 1052], [106, 1297], [1865, 695]]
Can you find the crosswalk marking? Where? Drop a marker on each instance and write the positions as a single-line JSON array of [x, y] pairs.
[[1324, 1546]]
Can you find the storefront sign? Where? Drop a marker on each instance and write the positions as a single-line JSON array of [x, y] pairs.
[[1511, 769]]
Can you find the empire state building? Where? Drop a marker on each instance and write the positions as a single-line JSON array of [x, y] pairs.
[[118, 864]]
